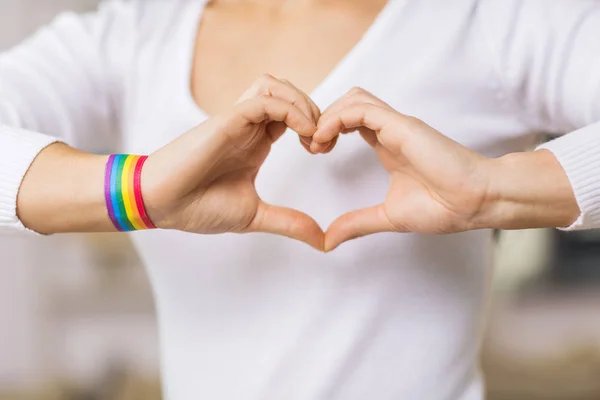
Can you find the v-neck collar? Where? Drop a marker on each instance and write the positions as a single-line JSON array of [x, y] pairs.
[[372, 33]]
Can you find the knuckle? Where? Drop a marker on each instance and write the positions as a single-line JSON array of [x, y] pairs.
[[356, 90], [260, 85], [265, 78], [370, 106], [264, 98], [245, 106], [261, 101]]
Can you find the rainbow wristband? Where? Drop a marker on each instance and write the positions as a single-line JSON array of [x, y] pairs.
[[123, 193]]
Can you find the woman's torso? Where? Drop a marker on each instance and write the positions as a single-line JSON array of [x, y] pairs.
[[393, 316]]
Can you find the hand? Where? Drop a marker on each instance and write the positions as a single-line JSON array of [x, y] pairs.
[[203, 182], [267, 85], [440, 186], [436, 185]]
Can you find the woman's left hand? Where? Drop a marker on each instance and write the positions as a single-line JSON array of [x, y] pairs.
[[438, 185]]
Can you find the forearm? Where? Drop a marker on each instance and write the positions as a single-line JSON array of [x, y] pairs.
[[528, 190], [63, 191]]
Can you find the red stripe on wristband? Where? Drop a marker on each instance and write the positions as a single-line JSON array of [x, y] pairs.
[[137, 189]]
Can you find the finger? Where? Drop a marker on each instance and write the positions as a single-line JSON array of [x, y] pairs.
[[402, 136], [267, 85], [271, 109], [323, 148], [365, 115], [355, 224], [316, 148], [330, 146], [289, 223], [369, 136], [276, 129], [303, 142], [315, 110], [353, 97]]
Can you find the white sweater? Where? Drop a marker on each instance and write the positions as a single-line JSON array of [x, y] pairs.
[[261, 317]]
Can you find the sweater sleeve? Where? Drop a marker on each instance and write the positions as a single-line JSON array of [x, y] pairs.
[[62, 84], [548, 53]]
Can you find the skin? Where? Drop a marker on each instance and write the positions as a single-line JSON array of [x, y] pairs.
[[203, 182], [300, 40], [62, 191], [439, 186]]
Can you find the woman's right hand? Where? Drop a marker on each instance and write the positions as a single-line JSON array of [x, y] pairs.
[[203, 182]]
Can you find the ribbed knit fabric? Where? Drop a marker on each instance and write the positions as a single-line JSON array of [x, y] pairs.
[[579, 155], [18, 149]]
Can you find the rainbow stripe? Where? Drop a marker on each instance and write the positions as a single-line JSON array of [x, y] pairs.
[[123, 193]]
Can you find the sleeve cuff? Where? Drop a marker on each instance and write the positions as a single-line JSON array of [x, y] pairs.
[[579, 155], [18, 149]]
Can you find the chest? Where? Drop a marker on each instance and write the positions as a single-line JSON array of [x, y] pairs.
[[234, 45]]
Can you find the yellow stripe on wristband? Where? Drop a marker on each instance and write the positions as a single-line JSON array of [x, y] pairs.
[[128, 195]]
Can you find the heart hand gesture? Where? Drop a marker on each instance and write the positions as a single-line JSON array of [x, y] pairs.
[[203, 182], [436, 184]]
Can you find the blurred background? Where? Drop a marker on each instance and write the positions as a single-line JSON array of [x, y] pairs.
[[77, 318]]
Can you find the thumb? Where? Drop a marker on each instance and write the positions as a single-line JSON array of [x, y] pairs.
[[287, 222], [355, 224]]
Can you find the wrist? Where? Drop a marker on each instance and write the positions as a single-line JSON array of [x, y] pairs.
[[63, 192], [528, 190], [154, 192], [168, 183], [123, 193]]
